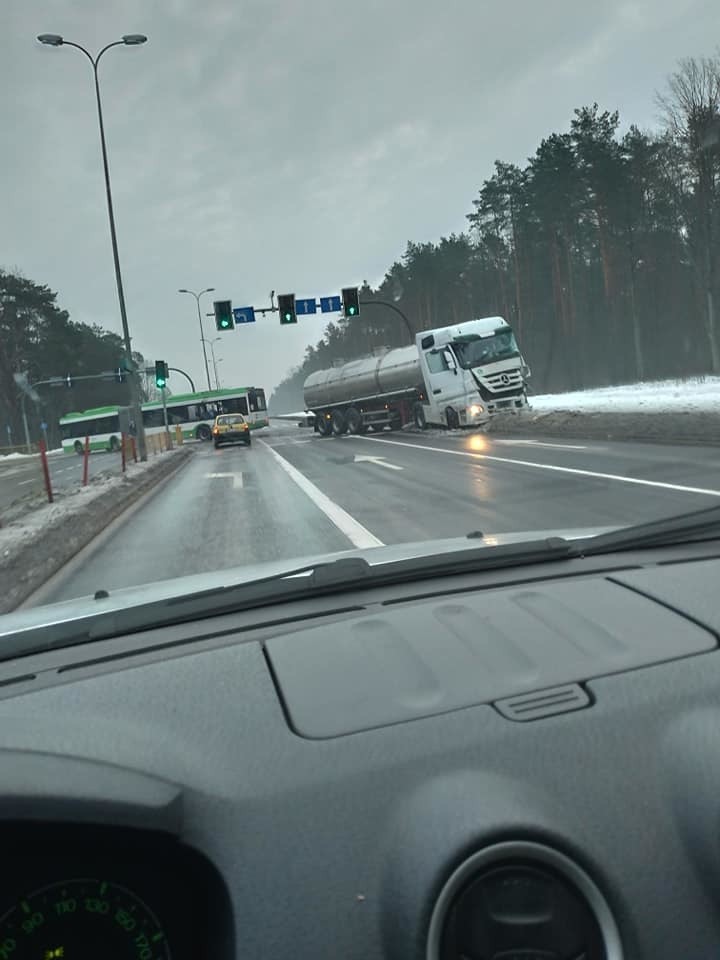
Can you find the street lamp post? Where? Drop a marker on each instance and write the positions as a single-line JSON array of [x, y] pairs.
[[129, 40], [202, 333], [215, 362]]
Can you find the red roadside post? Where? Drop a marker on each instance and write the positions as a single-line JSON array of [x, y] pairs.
[[134, 448], [45, 469], [86, 461], [123, 441]]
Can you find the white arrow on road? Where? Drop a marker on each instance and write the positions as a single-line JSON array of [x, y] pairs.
[[380, 461], [236, 478]]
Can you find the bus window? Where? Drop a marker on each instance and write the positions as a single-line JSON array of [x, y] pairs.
[[256, 399], [235, 405], [178, 413], [106, 425], [153, 418]]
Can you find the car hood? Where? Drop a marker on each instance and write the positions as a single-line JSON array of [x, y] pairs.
[[29, 617]]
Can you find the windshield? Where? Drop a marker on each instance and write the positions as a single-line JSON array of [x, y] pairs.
[[311, 222], [473, 353]]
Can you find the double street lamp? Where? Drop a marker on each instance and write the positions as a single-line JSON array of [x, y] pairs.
[[129, 40], [202, 335], [214, 359]]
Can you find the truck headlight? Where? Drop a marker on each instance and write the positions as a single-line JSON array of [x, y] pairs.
[[475, 409]]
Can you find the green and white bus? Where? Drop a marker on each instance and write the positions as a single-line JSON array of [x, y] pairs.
[[101, 425], [193, 412]]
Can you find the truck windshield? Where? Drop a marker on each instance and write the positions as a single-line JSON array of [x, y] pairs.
[[475, 351]]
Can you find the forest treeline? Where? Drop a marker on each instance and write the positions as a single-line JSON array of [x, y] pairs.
[[38, 339], [602, 251]]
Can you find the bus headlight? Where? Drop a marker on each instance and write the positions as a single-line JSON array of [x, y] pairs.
[[475, 409]]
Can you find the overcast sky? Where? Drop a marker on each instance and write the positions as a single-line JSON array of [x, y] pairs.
[[288, 145]]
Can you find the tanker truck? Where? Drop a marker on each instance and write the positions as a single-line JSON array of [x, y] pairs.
[[456, 376]]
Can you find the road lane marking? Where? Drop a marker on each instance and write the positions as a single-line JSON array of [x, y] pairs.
[[237, 478], [356, 533], [31, 480], [576, 471], [379, 461], [542, 443]]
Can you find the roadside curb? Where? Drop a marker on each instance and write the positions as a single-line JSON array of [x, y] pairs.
[[42, 556], [665, 427]]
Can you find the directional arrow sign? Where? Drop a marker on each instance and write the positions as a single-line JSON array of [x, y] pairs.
[[237, 478], [244, 314], [306, 306], [330, 304], [380, 461]]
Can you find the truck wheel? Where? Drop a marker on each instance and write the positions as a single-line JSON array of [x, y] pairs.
[[354, 421], [419, 416], [339, 423], [451, 418], [323, 427]]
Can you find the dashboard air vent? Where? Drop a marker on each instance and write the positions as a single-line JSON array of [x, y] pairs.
[[522, 901]]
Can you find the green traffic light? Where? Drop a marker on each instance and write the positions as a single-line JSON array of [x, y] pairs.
[[351, 311], [287, 317]]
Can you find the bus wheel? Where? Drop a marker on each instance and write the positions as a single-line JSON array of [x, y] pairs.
[[339, 423], [354, 421], [78, 448], [419, 416], [114, 444], [203, 432]]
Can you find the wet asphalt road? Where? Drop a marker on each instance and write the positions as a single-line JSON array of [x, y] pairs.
[[294, 494]]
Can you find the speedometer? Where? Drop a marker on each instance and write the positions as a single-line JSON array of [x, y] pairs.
[[82, 920]]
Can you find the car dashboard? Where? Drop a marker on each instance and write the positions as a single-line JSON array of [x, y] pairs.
[[518, 764]]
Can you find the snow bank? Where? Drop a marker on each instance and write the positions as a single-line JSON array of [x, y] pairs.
[[25, 456], [695, 395], [35, 547], [34, 524]]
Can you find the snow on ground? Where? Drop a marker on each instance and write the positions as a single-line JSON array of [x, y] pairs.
[[24, 456], [34, 523], [695, 395]]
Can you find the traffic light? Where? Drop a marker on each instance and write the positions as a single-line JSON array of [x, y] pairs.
[[351, 302], [286, 308], [224, 315], [161, 374]]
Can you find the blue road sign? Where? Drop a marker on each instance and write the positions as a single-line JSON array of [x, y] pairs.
[[306, 306], [244, 314], [330, 304]]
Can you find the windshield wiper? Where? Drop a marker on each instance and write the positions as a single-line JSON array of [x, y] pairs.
[[687, 527], [341, 576]]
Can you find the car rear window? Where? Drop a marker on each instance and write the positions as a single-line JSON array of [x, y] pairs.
[[235, 418]]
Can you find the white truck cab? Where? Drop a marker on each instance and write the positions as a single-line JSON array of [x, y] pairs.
[[471, 370]]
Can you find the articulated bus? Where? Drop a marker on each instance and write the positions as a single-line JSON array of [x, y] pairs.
[[192, 412]]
